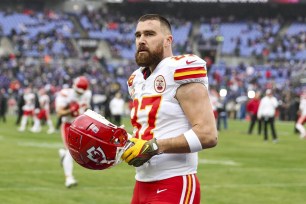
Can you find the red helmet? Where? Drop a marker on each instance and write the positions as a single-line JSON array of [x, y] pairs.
[[94, 142], [80, 84]]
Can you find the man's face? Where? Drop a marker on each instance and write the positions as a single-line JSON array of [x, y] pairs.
[[78, 92], [149, 43]]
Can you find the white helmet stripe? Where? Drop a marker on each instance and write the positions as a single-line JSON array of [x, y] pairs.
[[99, 118]]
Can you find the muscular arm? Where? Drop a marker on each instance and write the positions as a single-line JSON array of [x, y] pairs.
[[195, 102], [62, 111]]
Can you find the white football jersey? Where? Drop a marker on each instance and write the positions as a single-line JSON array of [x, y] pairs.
[[156, 113], [44, 102], [29, 102], [66, 96]]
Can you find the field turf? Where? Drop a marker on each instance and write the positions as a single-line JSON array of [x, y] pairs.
[[242, 169]]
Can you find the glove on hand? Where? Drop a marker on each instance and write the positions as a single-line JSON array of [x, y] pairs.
[[141, 152], [74, 108]]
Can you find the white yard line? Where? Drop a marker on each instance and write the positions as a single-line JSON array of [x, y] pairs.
[[41, 144], [220, 162], [238, 186], [256, 185]]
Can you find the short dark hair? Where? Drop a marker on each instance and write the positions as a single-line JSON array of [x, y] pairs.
[[158, 17]]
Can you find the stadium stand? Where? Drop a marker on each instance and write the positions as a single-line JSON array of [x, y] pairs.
[[267, 51]]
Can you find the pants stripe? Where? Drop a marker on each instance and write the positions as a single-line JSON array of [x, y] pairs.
[[189, 189], [193, 189], [184, 190]]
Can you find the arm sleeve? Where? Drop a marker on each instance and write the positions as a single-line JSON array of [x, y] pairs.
[[191, 69]]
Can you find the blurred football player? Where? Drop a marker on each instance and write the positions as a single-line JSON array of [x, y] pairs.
[[302, 117], [70, 103], [43, 113], [172, 117], [28, 108]]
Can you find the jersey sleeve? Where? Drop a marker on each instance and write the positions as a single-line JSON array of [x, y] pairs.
[[88, 97], [131, 82], [190, 68], [61, 99]]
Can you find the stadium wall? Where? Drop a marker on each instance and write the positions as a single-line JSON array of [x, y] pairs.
[[193, 11]]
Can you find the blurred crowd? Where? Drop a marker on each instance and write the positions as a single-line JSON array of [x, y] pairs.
[[44, 55]]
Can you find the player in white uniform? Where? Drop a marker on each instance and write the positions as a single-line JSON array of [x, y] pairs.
[[302, 118], [44, 112], [70, 103], [27, 108], [172, 117]]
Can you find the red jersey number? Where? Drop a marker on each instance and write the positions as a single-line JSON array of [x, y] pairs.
[[153, 102]]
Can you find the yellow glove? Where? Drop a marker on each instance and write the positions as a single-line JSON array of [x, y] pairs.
[[141, 152]]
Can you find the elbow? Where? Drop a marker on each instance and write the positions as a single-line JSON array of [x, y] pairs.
[[211, 140]]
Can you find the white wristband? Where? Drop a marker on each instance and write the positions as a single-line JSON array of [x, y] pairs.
[[193, 141]]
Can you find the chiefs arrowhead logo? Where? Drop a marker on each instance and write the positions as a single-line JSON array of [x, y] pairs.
[[97, 155], [159, 84]]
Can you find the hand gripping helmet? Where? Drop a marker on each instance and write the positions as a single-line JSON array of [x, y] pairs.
[[94, 142], [80, 84]]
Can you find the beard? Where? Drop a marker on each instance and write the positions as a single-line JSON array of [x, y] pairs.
[[148, 58]]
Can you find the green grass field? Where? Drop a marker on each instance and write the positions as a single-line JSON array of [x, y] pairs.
[[242, 169]]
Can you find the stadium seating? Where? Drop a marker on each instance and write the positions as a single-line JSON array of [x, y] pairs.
[[35, 35]]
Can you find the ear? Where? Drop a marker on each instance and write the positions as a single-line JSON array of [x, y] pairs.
[[168, 41]]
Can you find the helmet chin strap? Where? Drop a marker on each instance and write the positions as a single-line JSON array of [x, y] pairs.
[[78, 90], [121, 150]]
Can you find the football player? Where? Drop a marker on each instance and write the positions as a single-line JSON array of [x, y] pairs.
[[302, 117], [27, 108], [69, 103], [172, 117], [43, 113]]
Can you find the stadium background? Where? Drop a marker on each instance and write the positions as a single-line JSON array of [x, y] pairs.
[[250, 45]]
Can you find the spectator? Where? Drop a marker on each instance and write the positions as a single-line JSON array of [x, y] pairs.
[[116, 107], [20, 104], [252, 109], [3, 104], [222, 114], [266, 112]]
